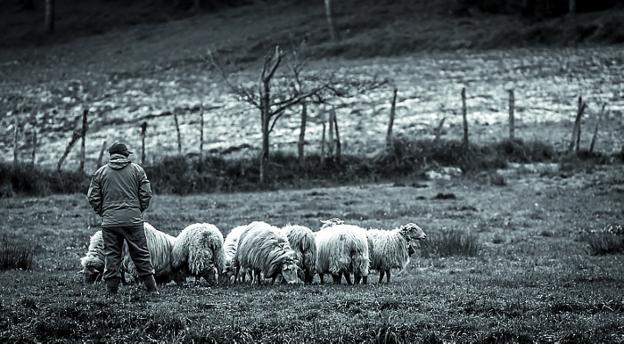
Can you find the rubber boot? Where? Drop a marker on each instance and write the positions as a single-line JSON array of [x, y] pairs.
[[112, 286], [150, 284]]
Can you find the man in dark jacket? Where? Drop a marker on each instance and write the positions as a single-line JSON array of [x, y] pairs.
[[120, 192]]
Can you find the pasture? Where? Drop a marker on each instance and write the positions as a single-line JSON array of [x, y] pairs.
[[532, 277]]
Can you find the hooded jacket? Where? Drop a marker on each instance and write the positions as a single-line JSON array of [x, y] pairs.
[[120, 192]]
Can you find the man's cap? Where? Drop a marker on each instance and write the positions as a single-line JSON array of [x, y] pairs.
[[119, 148]]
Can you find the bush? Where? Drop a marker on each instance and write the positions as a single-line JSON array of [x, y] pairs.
[[14, 255], [604, 243], [29, 180], [451, 243]]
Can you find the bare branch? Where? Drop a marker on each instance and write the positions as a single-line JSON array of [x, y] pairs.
[[245, 93], [277, 117]]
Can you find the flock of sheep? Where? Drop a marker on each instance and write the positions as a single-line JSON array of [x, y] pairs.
[[293, 253]]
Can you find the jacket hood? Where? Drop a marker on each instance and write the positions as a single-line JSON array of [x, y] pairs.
[[118, 161]]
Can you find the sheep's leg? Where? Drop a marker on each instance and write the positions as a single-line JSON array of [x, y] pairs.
[[258, 277], [273, 280], [356, 278], [381, 275], [388, 276], [348, 278], [321, 276], [337, 278], [365, 280]]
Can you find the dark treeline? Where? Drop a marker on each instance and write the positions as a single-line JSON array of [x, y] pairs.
[[540, 8]]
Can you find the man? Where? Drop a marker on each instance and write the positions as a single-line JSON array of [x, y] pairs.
[[120, 192]]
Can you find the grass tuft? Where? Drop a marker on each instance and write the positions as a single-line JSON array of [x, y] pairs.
[[604, 243], [447, 243], [15, 255]]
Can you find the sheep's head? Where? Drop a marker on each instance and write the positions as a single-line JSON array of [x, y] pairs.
[[290, 272], [211, 274], [412, 233], [334, 221]]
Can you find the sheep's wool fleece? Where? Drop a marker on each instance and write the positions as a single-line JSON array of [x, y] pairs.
[[301, 240], [159, 245], [200, 246], [93, 261], [262, 247], [388, 249], [342, 248], [231, 244]]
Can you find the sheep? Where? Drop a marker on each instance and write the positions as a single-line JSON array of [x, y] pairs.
[[331, 222], [301, 240], [93, 261], [229, 247], [198, 251], [160, 246], [263, 250], [392, 249], [341, 250]]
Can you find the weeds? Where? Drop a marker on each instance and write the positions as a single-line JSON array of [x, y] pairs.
[[604, 243], [448, 243], [14, 255]]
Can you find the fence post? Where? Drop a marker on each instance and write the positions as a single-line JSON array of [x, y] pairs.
[[15, 142], [512, 119], [593, 141], [465, 115], [338, 145], [438, 130], [576, 130], [34, 143], [201, 134], [391, 121], [83, 134], [330, 134], [323, 140], [177, 125], [101, 156], [143, 129], [70, 145]]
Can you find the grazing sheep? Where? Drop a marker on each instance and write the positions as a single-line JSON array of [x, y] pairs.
[[160, 246], [93, 261], [301, 240], [266, 252], [198, 251], [392, 249], [342, 250], [229, 247], [331, 222]]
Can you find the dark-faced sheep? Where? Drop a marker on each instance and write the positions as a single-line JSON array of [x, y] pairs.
[[301, 240]]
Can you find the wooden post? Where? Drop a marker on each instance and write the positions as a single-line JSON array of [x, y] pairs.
[[512, 120], [391, 121], [338, 145], [465, 115], [70, 145], [330, 20], [201, 135], [438, 130], [330, 134], [34, 144], [576, 130], [83, 135], [302, 129], [101, 156], [177, 126], [323, 142], [593, 141], [49, 16], [143, 129], [15, 142]]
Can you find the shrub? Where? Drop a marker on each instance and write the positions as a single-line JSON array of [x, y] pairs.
[[14, 255], [448, 243], [604, 243]]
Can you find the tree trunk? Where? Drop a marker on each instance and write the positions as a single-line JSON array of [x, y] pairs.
[[15, 143], [338, 144], [391, 121], [49, 16], [177, 126], [265, 111], [465, 116], [302, 129], [143, 130], [330, 20], [323, 142], [512, 120], [593, 141], [101, 156], [330, 136], [83, 135]]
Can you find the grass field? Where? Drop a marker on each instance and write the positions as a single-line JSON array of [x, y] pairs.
[[533, 278]]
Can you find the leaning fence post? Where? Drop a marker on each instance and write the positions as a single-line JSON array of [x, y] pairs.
[[70, 145], [593, 141], [34, 143], [323, 140], [143, 129], [83, 134], [330, 135], [338, 144], [576, 130], [177, 125], [15, 142], [201, 134], [391, 121], [464, 115], [101, 156], [512, 120]]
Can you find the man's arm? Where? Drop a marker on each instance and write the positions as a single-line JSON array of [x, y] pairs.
[[94, 195], [145, 190]]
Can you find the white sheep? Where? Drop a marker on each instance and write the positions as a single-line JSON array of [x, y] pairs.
[[93, 261], [392, 249], [265, 252], [302, 241], [342, 250], [229, 248], [198, 251], [160, 246]]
